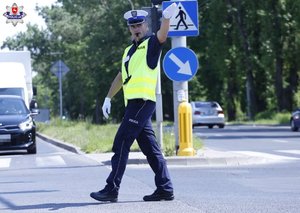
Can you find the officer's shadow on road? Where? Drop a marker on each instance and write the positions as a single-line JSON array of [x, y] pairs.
[[49, 206], [54, 206], [7, 204], [59, 206]]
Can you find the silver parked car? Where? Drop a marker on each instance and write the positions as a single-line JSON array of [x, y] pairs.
[[207, 113]]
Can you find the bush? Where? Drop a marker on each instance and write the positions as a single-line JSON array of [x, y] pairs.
[[283, 118], [265, 115]]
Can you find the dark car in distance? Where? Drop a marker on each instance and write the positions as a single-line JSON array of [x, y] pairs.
[[17, 127], [295, 120]]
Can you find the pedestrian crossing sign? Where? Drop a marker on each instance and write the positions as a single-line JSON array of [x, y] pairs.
[[184, 22]]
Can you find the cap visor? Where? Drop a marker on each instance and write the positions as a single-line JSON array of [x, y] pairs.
[[135, 21]]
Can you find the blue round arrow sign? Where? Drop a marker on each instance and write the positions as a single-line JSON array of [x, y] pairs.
[[180, 64]]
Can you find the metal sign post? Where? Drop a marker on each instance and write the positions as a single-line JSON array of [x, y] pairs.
[[60, 91], [179, 88], [183, 23], [60, 69], [159, 111]]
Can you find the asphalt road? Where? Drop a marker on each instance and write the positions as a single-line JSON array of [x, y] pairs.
[[270, 141], [56, 180]]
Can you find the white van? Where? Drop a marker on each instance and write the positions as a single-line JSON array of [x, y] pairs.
[[13, 80], [16, 75]]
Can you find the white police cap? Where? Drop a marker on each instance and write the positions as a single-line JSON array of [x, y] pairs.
[[135, 16]]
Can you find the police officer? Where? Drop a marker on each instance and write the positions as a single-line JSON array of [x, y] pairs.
[[138, 79]]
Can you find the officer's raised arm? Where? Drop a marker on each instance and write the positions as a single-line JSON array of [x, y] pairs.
[[162, 34]]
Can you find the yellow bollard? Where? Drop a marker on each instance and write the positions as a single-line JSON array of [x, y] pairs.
[[185, 130]]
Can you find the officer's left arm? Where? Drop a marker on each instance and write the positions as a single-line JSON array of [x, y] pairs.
[[162, 34]]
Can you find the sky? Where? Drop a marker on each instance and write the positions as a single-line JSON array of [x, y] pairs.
[[8, 30]]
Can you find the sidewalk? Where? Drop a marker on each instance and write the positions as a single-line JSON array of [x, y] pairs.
[[204, 157]]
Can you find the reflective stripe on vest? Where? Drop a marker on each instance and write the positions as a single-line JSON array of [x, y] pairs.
[[143, 79]]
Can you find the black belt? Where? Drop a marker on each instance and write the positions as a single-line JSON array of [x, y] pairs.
[[136, 100]]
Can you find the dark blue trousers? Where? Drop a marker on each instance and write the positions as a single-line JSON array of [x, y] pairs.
[[137, 125]]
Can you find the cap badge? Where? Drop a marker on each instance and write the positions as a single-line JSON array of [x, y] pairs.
[[134, 13]]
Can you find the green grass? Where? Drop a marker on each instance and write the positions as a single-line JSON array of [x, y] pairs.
[[268, 118], [98, 138]]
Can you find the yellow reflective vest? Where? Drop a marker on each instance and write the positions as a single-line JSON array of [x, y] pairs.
[[142, 83]]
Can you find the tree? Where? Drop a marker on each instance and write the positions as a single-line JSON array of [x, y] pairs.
[[248, 54]]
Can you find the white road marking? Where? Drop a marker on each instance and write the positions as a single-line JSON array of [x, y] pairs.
[[5, 162], [281, 141], [49, 161], [295, 151], [267, 156]]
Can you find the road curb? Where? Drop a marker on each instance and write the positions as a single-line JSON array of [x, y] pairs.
[[141, 159], [198, 160], [137, 158], [61, 144]]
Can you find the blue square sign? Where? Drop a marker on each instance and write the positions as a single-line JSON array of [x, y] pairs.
[[185, 20]]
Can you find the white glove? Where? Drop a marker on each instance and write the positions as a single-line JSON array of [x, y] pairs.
[[169, 11], [106, 107]]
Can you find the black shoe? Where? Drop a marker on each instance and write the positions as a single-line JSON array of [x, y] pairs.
[[105, 195], [159, 195]]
